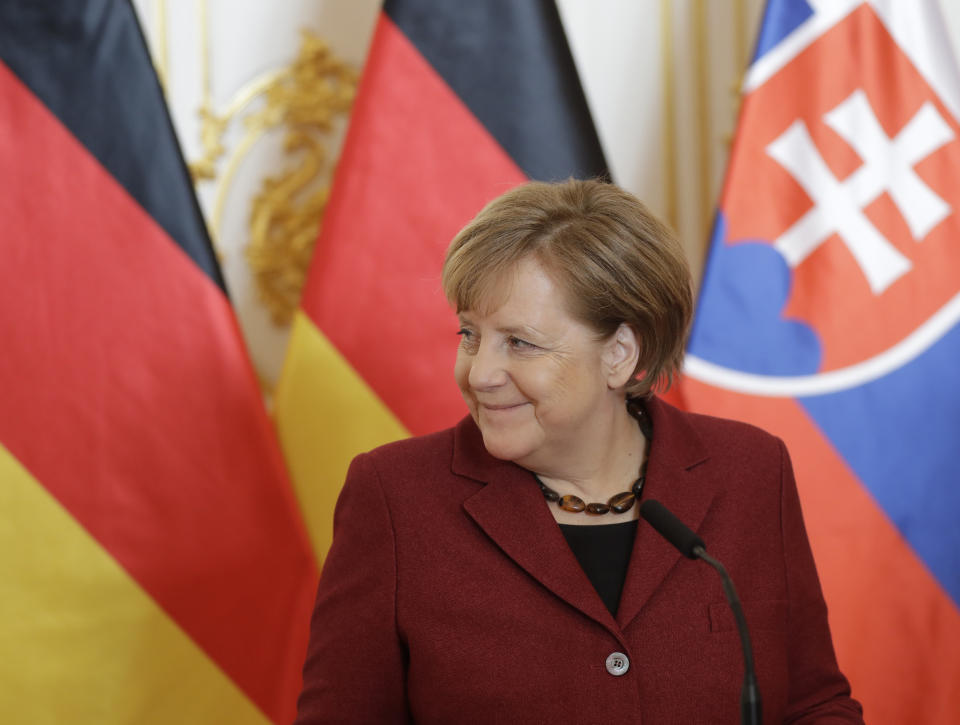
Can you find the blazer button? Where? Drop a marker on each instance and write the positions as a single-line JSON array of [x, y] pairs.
[[617, 664]]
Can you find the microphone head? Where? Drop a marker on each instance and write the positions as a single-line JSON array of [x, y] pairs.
[[671, 528]]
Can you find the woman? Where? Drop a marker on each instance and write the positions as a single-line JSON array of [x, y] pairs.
[[497, 572]]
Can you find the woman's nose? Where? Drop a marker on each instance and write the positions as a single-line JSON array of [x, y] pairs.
[[487, 367]]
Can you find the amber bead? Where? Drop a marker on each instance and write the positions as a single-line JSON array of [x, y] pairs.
[[622, 502], [597, 508], [571, 503], [550, 494], [637, 487]]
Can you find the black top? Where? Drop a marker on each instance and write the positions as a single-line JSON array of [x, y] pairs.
[[604, 553]]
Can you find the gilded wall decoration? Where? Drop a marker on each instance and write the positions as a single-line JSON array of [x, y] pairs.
[[304, 100]]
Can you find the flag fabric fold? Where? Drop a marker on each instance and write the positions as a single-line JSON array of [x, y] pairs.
[[456, 105], [156, 566], [829, 314]]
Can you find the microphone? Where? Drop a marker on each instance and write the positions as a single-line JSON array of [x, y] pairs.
[[691, 546]]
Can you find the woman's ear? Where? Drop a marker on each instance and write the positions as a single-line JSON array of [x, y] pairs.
[[620, 356]]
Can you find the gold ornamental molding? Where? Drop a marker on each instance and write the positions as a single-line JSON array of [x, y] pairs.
[[705, 45], [304, 100], [307, 101], [669, 113]]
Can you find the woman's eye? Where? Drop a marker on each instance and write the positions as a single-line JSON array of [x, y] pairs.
[[466, 336], [518, 344]]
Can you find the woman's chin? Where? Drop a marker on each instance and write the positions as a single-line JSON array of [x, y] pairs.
[[504, 447]]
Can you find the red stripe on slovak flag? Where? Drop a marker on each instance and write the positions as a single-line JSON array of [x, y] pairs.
[[126, 391], [416, 166]]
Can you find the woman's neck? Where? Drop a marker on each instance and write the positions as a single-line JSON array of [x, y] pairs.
[[605, 460]]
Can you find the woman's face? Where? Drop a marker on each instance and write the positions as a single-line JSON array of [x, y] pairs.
[[534, 378]]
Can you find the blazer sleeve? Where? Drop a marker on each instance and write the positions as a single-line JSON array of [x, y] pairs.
[[356, 662], [819, 693]]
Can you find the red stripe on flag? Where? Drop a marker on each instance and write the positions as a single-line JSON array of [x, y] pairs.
[[416, 166], [127, 393], [883, 602]]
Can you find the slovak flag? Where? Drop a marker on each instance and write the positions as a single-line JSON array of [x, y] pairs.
[[829, 315]]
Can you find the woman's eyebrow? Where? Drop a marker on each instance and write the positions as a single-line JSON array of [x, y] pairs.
[[521, 330]]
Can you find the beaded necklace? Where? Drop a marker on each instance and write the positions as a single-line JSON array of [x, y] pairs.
[[619, 503]]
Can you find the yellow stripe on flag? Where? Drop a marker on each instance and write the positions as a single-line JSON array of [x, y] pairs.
[[81, 642], [326, 414]]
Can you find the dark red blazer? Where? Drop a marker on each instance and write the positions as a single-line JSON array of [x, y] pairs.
[[450, 595]]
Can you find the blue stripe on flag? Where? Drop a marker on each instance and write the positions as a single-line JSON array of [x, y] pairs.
[[899, 435], [779, 20]]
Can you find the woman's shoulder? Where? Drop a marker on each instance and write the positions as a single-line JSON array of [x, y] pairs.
[[710, 427], [722, 439], [713, 428], [413, 449], [414, 474], [423, 456]]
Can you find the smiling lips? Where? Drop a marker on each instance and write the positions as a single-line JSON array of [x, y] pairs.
[[496, 408]]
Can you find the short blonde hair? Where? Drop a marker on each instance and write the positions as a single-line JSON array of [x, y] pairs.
[[614, 259]]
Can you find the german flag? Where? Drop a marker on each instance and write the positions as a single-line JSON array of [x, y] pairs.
[[154, 566], [458, 103]]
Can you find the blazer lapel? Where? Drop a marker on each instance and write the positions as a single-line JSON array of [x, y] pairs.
[[678, 475], [510, 509]]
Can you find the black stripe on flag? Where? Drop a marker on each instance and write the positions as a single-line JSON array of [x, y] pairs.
[[508, 60], [88, 63]]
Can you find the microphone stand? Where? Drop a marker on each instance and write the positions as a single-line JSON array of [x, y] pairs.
[[750, 710], [691, 546]]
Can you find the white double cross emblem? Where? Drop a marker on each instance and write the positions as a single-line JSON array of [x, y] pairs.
[[838, 205]]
